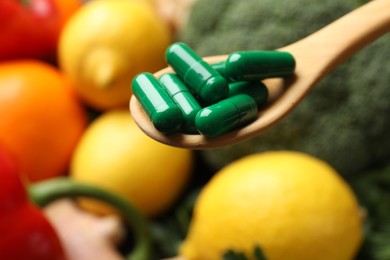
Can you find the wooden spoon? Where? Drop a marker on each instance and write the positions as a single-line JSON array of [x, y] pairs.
[[316, 55]]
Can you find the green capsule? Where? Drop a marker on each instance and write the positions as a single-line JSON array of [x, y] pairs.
[[257, 65], [226, 115], [220, 68], [256, 89], [187, 103], [157, 103], [197, 74]]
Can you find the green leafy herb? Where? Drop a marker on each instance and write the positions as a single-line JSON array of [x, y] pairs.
[[259, 254], [233, 255]]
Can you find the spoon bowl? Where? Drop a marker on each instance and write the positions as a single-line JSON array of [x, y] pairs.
[[316, 56]]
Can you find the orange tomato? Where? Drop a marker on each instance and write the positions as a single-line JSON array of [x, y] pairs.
[[41, 118]]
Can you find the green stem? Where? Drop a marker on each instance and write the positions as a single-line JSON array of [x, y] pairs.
[[48, 191]]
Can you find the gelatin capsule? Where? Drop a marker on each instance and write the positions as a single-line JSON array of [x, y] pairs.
[[157, 103], [220, 68], [187, 103], [226, 115], [256, 89], [197, 74], [257, 65]]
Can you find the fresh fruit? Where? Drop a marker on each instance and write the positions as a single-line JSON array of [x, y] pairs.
[[41, 117], [294, 206], [106, 43], [66, 8], [116, 155], [29, 29]]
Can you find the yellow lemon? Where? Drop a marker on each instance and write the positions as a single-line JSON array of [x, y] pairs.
[[106, 43], [116, 155], [292, 205]]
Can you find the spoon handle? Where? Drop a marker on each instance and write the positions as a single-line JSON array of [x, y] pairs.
[[335, 43], [316, 55]]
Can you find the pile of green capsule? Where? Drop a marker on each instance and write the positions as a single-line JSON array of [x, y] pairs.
[[209, 99]]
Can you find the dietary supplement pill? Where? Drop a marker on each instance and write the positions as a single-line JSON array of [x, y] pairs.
[[197, 74], [256, 89], [162, 110], [257, 65], [220, 68], [226, 115], [187, 103]]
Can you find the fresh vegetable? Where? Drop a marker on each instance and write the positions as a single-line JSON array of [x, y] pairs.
[[25, 232], [233, 255], [344, 120], [45, 192], [84, 235], [29, 29], [372, 188], [291, 204], [41, 117]]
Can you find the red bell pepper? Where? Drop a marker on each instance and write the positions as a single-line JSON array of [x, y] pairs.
[[25, 232], [28, 29]]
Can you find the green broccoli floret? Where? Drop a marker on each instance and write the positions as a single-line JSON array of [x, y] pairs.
[[372, 188], [345, 119]]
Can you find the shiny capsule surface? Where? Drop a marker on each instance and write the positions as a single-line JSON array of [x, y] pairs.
[[220, 68], [157, 103], [256, 89], [226, 115], [257, 65], [197, 74], [187, 103]]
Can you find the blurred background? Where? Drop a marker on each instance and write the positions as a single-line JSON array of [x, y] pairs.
[[66, 68]]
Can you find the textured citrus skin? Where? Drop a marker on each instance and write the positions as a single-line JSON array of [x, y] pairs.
[[115, 154], [294, 206], [41, 118], [106, 43]]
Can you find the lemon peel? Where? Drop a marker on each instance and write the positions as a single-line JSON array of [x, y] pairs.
[[292, 205], [102, 67], [106, 43], [116, 155]]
